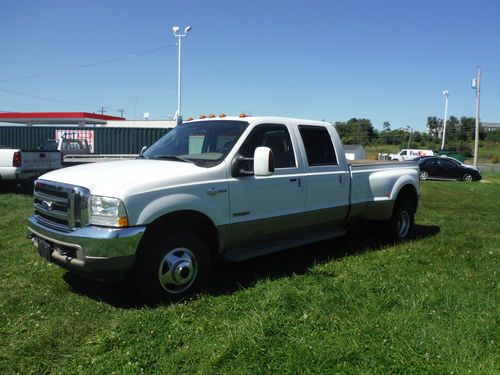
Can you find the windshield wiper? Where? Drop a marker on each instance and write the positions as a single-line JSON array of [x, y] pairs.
[[172, 157]]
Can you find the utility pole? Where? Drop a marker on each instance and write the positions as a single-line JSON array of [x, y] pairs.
[[476, 84], [409, 139], [102, 110], [121, 112]]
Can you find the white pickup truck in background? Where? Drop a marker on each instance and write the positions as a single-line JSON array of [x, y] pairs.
[[23, 166], [67, 146], [78, 151], [223, 188]]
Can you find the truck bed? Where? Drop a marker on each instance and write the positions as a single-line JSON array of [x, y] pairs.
[[373, 183]]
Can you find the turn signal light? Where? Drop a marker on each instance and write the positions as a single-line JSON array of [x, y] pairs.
[[123, 222]]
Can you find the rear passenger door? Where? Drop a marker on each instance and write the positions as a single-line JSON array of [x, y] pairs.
[[327, 196]]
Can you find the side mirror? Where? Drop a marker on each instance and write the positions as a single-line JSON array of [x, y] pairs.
[[263, 161], [144, 148]]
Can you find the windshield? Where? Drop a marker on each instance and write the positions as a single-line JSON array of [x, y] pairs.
[[204, 143]]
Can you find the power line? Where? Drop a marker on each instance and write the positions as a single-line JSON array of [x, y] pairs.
[[85, 66], [53, 99]]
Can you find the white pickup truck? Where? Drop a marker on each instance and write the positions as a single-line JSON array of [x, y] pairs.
[[223, 188], [23, 166]]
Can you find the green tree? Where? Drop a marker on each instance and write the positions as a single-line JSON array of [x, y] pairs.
[[434, 124], [356, 131], [386, 127]]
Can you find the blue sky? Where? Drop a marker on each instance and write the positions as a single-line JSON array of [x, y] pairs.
[[318, 59]]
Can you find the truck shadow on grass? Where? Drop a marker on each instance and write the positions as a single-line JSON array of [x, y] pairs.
[[231, 277], [21, 189]]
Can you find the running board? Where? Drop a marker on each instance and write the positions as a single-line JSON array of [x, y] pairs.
[[277, 246]]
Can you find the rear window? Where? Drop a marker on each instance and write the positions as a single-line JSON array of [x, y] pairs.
[[318, 145]]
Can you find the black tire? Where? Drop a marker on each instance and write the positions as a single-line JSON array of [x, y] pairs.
[[402, 221], [468, 177], [424, 175], [172, 268]]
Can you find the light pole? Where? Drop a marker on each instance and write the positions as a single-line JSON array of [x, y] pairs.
[[445, 93], [409, 139], [175, 29], [476, 84]]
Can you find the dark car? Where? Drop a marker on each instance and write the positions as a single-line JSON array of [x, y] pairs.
[[445, 168]]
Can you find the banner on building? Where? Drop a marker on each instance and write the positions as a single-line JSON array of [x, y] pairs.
[[78, 134]]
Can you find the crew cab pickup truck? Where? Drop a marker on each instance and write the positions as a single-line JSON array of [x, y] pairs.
[[23, 166], [223, 188]]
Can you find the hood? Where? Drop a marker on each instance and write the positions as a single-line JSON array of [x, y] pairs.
[[120, 178]]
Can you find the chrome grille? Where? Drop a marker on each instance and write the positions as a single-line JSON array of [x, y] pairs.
[[60, 206]]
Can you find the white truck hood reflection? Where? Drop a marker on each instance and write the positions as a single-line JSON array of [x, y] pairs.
[[122, 178]]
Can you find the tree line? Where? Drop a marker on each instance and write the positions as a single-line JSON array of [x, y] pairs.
[[459, 134]]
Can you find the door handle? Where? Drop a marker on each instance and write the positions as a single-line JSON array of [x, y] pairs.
[[297, 180]]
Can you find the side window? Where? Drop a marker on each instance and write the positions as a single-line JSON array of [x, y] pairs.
[[447, 164], [277, 138], [318, 145], [403, 153]]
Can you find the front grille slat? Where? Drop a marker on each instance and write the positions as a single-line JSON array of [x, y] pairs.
[[38, 195], [61, 215], [60, 206]]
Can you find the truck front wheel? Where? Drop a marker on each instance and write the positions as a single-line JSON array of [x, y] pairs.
[[173, 268], [402, 220]]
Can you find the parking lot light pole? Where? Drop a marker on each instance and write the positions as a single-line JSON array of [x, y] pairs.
[[175, 29], [476, 84], [445, 93]]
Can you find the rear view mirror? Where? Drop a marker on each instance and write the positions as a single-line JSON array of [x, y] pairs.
[[263, 161]]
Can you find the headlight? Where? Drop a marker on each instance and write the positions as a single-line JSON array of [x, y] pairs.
[[107, 211]]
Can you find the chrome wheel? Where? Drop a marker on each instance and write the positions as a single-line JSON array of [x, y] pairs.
[[468, 177], [177, 270], [403, 224], [424, 175]]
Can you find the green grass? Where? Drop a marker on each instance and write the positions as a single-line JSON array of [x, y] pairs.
[[356, 304]]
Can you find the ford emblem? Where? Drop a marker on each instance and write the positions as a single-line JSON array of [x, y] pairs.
[[47, 206]]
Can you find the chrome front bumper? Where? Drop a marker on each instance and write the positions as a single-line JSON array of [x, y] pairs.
[[91, 248]]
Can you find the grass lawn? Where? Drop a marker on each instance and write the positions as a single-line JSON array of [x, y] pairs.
[[356, 304]]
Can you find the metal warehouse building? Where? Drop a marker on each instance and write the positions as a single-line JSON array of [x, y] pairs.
[[106, 134]]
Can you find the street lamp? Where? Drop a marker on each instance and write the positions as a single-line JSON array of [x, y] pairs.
[[175, 29], [445, 93]]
